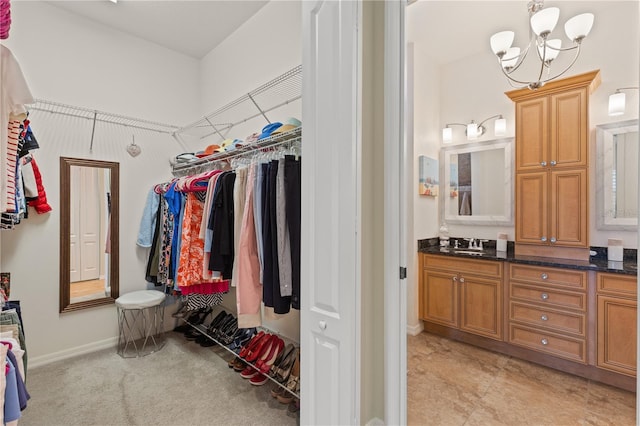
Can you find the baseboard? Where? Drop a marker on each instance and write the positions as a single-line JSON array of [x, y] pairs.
[[414, 330], [39, 361], [375, 422]]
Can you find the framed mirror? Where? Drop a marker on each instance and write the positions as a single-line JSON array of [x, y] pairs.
[[89, 240], [478, 183], [617, 175]]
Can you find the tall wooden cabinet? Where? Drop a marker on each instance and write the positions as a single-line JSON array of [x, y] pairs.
[[552, 161]]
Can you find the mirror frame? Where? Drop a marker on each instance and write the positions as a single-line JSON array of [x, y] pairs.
[[65, 237], [445, 178], [604, 135]]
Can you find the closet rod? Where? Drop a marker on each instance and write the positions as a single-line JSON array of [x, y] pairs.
[[291, 137], [101, 116]]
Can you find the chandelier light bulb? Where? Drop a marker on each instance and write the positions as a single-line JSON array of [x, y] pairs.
[[472, 131], [501, 42], [579, 26], [544, 21], [550, 49]]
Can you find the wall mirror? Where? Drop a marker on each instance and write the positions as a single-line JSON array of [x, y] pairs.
[[617, 175], [478, 183], [89, 240]]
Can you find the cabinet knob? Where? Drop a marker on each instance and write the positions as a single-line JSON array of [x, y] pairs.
[[553, 162], [544, 296], [544, 342], [544, 276], [455, 279], [322, 325], [544, 317], [553, 239], [543, 239], [543, 164], [461, 279]]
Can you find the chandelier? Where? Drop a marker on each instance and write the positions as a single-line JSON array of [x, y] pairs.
[[543, 21]]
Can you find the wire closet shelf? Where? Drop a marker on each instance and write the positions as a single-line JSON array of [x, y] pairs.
[[101, 116], [272, 95]]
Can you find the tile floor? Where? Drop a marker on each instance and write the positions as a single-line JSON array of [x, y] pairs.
[[452, 383]]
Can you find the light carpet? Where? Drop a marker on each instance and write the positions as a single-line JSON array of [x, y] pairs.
[[182, 384]]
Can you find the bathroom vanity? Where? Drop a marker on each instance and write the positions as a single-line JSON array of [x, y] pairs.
[[575, 316]]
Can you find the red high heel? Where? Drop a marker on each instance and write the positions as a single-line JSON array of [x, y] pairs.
[[251, 344], [265, 362], [260, 349]]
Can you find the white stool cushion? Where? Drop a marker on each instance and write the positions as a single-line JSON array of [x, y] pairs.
[[140, 299]]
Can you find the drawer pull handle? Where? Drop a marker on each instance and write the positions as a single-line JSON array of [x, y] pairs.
[[544, 342], [544, 317], [461, 279], [544, 276], [544, 296]]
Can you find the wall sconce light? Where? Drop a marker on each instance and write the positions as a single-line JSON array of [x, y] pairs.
[[475, 130], [617, 101]]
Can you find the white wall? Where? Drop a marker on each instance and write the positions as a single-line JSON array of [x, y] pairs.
[[68, 59], [264, 47]]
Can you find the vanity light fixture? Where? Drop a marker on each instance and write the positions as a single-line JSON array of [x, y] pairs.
[[475, 130], [542, 22], [617, 101]]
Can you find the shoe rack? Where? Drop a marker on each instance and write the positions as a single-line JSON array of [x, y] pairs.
[[289, 388]]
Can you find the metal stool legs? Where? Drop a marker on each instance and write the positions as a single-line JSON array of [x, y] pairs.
[[140, 331]]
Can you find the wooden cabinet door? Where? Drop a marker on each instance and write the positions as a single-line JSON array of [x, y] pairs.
[[440, 297], [532, 134], [532, 208], [569, 207], [617, 331], [569, 136], [480, 306]]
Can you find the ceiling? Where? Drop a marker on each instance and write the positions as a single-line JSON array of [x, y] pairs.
[[453, 29], [190, 27]]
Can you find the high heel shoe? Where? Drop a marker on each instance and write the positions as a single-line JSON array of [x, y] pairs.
[[260, 349], [266, 361], [282, 371], [283, 354], [244, 351], [293, 383]]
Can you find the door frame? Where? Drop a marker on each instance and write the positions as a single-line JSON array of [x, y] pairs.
[[398, 153]]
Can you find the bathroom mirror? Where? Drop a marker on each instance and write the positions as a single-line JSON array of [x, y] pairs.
[[478, 183], [617, 175], [89, 240]]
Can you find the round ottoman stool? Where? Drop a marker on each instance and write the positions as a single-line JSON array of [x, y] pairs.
[[140, 323]]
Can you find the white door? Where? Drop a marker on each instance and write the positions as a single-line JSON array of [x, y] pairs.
[[74, 225], [90, 197], [331, 172]]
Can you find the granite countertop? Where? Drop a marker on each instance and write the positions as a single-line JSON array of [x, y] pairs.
[[595, 263]]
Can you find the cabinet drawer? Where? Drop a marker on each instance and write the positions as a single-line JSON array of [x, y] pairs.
[[549, 276], [617, 285], [566, 322], [477, 267], [550, 343], [548, 296]]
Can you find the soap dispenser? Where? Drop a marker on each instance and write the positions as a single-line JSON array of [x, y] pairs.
[[444, 235]]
